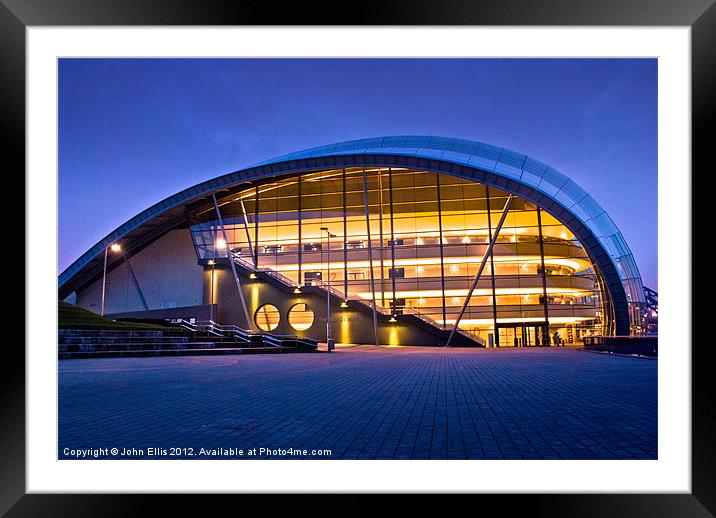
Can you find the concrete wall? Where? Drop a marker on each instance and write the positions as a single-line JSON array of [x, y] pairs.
[[167, 272], [203, 312]]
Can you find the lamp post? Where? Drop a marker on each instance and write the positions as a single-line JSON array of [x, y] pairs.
[[115, 248], [329, 340], [212, 262], [219, 244]]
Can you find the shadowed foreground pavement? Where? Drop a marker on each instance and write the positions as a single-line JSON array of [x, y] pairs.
[[363, 403]]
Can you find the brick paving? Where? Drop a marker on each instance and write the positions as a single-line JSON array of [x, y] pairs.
[[365, 403]]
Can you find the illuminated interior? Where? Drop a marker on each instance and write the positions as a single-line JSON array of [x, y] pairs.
[[300, 317], [267, 317], [423, 236]]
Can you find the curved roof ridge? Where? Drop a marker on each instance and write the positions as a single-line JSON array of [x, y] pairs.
[[432, 142]]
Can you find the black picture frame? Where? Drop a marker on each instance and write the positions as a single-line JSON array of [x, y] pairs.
[[700, 15]]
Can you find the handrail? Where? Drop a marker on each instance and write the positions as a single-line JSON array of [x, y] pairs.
[[246, 335], [242, 262], [190, 326], [209, 326], [471, 335], [412, 311], [268, 271], [278, 276], [339, 294], [319, 283]]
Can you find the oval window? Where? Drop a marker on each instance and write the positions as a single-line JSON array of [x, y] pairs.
[[267, 317], [300, 317]]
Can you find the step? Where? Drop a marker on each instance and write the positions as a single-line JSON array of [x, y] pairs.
[[110, 332], [75, 348], [122, 339], [216, 351]]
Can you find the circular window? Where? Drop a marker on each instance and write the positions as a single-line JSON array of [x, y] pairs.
[[300, 317], [267, 317]]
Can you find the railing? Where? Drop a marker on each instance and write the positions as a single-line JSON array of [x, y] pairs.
[[446, 327], [407, 310], [215, 329], [339, 294], [200, 326], [242, 262], [252, 337], [280, 340], [189, 325], [279, 277], [209, 327], [249, 265], [640, 345], [470, 335]]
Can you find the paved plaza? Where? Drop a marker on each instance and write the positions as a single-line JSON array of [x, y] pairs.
[[362, 403]]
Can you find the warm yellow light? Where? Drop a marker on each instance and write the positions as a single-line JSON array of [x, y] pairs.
[[472, 323], [297, 290], [221, 244], [392, 319], [211, 262], [394, 336], [252, 276], [419, 241], [344, 304], [302, 326], [466, 240], [575, 263], [421, 294], [115, 247]]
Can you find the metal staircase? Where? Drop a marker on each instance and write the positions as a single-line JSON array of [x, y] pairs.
[[407, 312]]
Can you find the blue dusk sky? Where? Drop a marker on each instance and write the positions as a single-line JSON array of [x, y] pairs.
[[134, 131]]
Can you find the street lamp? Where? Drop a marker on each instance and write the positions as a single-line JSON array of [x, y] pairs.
[[219, 244], [212, 263], [115, 248], [329, 340]]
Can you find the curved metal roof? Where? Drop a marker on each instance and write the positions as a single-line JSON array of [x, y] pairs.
[[503, 162], [500, 167]]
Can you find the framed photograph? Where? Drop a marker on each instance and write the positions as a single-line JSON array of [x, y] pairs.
[[417, 255]]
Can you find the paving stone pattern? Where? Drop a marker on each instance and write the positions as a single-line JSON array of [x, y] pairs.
[[366, 403]]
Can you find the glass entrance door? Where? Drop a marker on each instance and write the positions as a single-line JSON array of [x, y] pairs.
[[521, 335], [536, 334], [510, 335], [530, 335]]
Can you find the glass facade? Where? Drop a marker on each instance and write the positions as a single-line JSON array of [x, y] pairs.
[[413, 241]]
